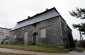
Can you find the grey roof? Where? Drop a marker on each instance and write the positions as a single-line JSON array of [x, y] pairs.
[[37, 18]]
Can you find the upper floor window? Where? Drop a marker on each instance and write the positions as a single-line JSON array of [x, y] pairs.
[[34, 25]]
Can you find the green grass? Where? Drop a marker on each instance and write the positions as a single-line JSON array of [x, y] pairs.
[[36, 48], [79, 49]]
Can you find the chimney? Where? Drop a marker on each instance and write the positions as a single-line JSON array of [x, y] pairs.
[[46, 9], [28, 17]]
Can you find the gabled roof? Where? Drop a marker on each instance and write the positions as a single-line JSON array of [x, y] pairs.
[[37, 18], [38, 14], [5, 28]]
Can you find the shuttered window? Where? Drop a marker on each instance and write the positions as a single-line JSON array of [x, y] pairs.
[[43, 33], [14, 36]]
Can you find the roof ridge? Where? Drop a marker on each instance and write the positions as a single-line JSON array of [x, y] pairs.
[[37, 14]]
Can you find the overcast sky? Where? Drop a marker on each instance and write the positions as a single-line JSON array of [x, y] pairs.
[[12, 11]]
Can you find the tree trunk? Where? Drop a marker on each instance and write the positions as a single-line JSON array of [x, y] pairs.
[[81, 39]]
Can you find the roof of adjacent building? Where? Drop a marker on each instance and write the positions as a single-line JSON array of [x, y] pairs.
[[5, 28], [47, 14]]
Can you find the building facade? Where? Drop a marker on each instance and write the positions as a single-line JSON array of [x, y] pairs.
[[4, 33], [46, 28]]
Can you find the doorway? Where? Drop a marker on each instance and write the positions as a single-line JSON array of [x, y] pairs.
[[34, 38]]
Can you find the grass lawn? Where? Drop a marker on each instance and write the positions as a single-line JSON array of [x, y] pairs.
[[79, 49], [36, 48]]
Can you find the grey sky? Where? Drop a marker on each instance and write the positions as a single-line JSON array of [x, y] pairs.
[[12, 11]]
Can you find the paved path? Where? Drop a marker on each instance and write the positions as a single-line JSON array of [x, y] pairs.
[[38, 53]]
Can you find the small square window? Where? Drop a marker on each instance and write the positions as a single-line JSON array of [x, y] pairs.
[[34, 25]]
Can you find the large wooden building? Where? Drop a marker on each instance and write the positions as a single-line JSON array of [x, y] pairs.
[[45, 28]]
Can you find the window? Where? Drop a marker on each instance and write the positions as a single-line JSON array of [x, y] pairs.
[[26, 38], [43, 33], [14, 36], [1, 34], [34, 25]]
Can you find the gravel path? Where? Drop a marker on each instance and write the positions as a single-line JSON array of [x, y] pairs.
[[76, 53], [38, 53]]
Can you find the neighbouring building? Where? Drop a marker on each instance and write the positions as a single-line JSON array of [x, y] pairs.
[[45, 28], [4, 33]]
